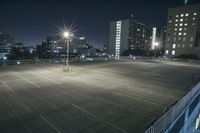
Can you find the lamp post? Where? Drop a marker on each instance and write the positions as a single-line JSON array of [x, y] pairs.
[[155, 48], [67, 36]]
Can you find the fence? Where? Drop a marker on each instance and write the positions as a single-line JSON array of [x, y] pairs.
[[170, 116]]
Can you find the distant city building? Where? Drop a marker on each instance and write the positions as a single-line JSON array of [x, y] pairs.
[[183, 31], [6, 43], [42, 51], [128, 35], [158, 36]]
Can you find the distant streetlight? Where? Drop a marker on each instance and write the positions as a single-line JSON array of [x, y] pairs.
[[67, 36], [156, 44]]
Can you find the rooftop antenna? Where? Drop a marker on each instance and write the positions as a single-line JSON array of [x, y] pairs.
[[185, 1]]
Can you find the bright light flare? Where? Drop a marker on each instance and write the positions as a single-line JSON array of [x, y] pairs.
[[66, 34]]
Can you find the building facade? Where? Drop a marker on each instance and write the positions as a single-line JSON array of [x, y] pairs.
[[183, 31], [128, 35], [6, 43], [159, 37]]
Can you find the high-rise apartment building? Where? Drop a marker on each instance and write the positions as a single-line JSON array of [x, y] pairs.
[[128, 35], [183, 31]]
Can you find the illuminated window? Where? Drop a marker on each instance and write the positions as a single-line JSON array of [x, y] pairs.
[[170, 21], [182, 15], [185, 24], [118, 40], [176, 24], [184, 34], [195, 13], [181, 20], [175, 29], [176, 20], [181, 24], [167, 52], [193, 18], [179, 33], [177, 16], [173, 52], [180, 29], [187, 14], [174, 46]]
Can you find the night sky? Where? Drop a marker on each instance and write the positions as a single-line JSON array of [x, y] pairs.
[[31, 21]]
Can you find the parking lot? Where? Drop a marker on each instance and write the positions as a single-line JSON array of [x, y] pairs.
[[103, 97]]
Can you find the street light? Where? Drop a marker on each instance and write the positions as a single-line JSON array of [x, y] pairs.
[[67, 36], [155, 47]]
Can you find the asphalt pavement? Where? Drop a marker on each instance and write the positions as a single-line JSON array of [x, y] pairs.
[[104, 97]]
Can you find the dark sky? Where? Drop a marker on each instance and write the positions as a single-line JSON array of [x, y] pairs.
[[31, 21]]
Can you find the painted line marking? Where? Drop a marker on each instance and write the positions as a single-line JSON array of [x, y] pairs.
[[49, 123], [94, 116], [7, 86], [29, 82]]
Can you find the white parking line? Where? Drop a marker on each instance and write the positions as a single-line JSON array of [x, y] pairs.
[[49, 123], [7, 86], [94, 116], [29, 81]]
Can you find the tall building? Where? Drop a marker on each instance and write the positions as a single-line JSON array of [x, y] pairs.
[[6, 43], [158, 36], [128, 35], [183, 31]]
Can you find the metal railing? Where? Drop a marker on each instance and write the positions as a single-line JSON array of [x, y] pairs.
[[170, 116]]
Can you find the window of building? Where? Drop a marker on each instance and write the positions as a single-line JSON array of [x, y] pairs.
[[179, 38], [179, 45], [182, 15], [181, 20], [175, 39], [183, 46], [174, 46], [176, 20], [185, 28], [170, 21], [176, 25], [177, 16], [167, 52], [175, 29], [187, 14], [193, 24], [193, 18], [180, 29], [184, 39], [181, 24], [174, 33], [179, 33], [184, 34], [191, 39], [168, 39], [191, 45], [185, 24], [173, 52], [195, 14]]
